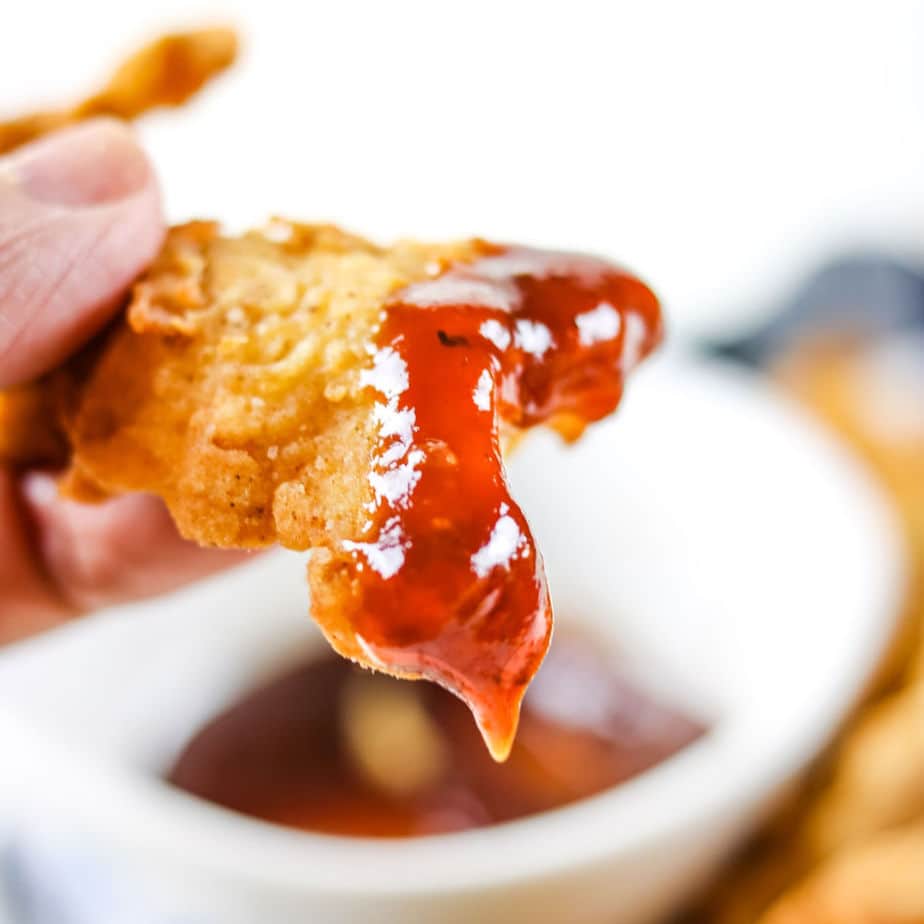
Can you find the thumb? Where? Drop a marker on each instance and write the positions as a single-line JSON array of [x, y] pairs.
[[80, 218]]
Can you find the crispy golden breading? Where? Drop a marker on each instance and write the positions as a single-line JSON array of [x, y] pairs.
[[878, 882], [165, 73], [879, 782], [231, 387]]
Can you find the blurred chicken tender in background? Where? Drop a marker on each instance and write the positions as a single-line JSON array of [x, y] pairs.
[[167, 72], [849, 849]]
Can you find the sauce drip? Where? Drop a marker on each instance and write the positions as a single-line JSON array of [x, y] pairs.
[[446, 581], [300, 752]]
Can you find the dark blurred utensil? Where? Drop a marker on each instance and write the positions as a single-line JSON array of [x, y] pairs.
[[857, 294]]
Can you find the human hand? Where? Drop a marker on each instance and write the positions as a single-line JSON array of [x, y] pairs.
[[80, 218]]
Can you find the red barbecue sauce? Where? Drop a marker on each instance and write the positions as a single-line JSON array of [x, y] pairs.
[[285, 753], [446, 580]]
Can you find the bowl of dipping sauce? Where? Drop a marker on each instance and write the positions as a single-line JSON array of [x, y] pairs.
[[328, 747], [724, 577]]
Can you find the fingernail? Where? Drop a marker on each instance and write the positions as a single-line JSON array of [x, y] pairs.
[[95, 163]]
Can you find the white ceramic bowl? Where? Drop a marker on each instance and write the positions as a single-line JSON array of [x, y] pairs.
[[709, 528]]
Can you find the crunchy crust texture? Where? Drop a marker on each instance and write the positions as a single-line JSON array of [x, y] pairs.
[[231, 387], [166, 72]]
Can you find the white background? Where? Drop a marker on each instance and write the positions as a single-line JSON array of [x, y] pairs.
[[719, 148]]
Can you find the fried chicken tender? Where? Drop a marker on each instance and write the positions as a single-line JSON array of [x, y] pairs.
[[878, 882], [165, 73], [879, 782], [231, 385], [232, 390]]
